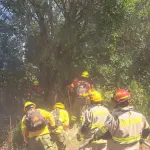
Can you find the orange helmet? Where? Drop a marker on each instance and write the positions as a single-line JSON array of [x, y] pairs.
[[121, 95]]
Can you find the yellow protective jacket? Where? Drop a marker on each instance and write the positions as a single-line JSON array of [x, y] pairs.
[[61, 118], [26, 134]]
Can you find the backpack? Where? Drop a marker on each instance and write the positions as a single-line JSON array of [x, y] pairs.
[[35, 120], [56, 114], [81, 88]]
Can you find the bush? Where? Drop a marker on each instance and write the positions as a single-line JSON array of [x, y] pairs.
[[139, 97]]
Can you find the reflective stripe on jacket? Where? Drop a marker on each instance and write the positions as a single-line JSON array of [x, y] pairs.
[[126, 129], [95, 117]]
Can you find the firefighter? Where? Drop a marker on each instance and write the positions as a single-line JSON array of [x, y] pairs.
[[36, 93], [83, 78], [34, 126], [93, 119], [126, 127], [81, 87], [62, 123]]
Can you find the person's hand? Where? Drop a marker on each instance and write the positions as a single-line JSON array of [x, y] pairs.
[[97, 135]]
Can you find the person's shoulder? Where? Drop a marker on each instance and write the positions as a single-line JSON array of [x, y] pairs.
[[23, 118], [91, 108], [65, 111], [42, 110], [138, 113], [104, 107], [134, 111]]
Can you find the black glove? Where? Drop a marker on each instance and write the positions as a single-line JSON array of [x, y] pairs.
[[85, 127], [99, 135], [145, 133]]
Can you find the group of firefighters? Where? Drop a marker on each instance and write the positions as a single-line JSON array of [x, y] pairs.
[[121, 129]]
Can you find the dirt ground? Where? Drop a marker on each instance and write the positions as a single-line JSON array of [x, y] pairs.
[[143, 147], [72, 143], [74, 147]]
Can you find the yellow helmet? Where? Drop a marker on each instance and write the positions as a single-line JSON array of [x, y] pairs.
[[36, 82], [28, 103], [85, 74], [95, 96], [59, 105]]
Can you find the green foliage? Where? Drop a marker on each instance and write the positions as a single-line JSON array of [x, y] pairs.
[[140, 98], [54, 41]]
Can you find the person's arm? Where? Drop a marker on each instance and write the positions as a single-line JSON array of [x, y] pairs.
[[87, 117], [74, 83], [24, 130], [49, 117], [66, 121], [84, 128], [89, 87], [146, 128], [71, 87], [109, 127]]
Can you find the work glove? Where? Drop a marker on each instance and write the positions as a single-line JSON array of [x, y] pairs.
[[145, 133], [97, 135]]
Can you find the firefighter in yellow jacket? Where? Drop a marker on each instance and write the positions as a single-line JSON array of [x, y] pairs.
[[126, 127], [93, 119], [62, 123], [35, 128]]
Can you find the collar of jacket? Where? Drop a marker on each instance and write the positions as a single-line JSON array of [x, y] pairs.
[[128, 108], [94, 105]]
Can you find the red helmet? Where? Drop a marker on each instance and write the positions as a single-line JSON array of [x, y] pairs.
[[121, 95]]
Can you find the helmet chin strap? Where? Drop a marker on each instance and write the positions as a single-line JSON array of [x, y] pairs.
[[30, 107]]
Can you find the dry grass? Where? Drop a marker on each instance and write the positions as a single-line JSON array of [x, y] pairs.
[[71, 141]]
